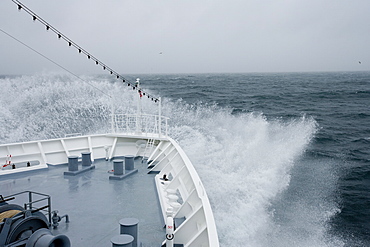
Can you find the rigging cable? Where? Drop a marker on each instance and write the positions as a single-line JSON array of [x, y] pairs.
[[60, 66], [80, 49]]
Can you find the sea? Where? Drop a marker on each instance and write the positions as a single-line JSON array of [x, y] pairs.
[[284, 157]]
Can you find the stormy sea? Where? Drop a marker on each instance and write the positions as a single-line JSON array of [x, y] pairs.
[[284, 157]]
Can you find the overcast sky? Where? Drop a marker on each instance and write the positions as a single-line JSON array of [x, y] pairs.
[[189, 36]]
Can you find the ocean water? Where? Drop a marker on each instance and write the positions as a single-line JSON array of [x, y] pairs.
[[284, 157]]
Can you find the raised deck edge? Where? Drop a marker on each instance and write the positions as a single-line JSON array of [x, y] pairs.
[[198, 227]]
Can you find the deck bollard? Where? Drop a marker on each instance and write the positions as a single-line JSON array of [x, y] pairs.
[[122, 240], [118, 167], [129, 162], [86, 158], [73, 163], [129, 226]]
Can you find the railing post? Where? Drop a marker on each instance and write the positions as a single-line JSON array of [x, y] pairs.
[[160, 117], [127, 117], [140, 124], [49, 209]]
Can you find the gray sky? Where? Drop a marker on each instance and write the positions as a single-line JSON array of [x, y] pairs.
[[189, 36]]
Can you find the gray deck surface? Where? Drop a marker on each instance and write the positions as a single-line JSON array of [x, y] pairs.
[[94, 203]]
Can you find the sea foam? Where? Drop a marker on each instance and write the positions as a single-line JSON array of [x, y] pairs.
[[249, 165]]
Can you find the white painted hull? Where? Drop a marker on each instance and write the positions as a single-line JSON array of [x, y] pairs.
[[198, 227]]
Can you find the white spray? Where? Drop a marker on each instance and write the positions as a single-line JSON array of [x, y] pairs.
[[244, 161]]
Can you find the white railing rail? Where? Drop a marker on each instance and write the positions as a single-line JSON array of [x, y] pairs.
[[182, 180], [140, 124]]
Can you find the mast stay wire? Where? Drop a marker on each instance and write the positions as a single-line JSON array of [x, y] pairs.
[[80, 49], [50, 60]]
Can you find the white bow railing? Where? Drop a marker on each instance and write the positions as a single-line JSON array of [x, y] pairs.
[[140, 124]]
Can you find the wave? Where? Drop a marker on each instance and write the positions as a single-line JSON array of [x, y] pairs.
[[247, 163]]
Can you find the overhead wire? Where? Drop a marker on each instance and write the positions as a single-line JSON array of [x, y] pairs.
[[50, 60], [80, 49]]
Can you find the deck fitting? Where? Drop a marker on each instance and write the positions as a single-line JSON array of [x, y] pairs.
[[119, 177]]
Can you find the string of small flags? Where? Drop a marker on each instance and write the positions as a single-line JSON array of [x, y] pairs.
[[70, 43]]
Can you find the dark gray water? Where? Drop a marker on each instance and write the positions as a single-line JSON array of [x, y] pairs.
[[284, 156]]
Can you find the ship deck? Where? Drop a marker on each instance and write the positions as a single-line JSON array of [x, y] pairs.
[[94, 203]]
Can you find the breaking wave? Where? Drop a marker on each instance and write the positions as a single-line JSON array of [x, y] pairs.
[[261, 190]]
